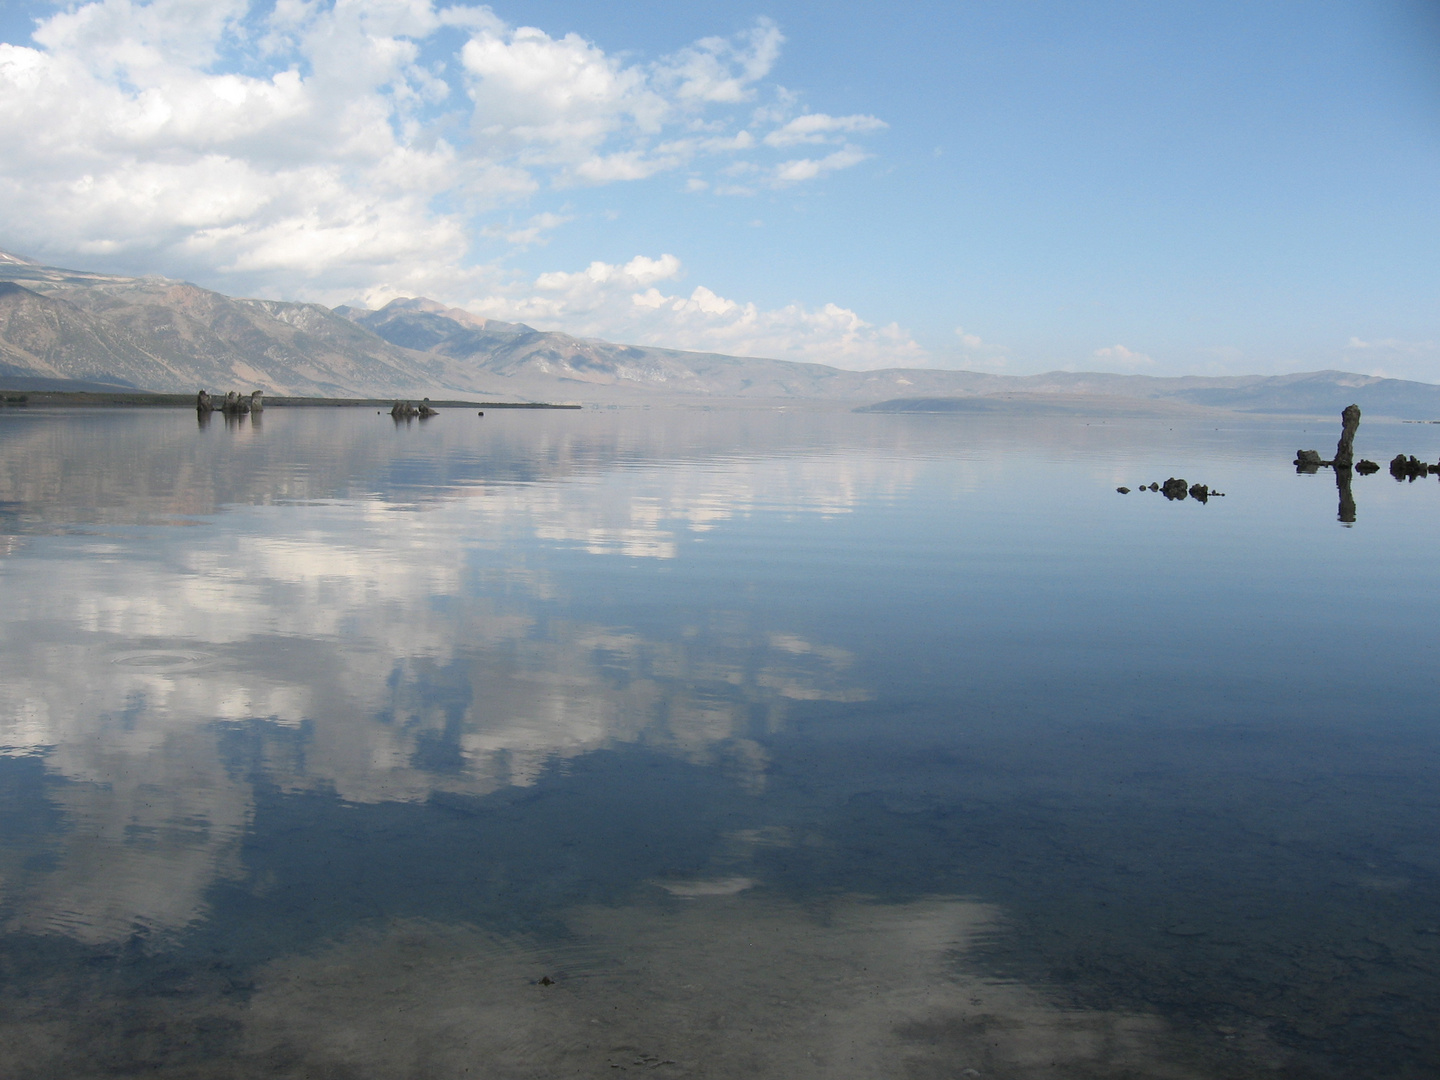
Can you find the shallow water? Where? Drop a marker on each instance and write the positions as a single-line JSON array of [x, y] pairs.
[[715, 744]]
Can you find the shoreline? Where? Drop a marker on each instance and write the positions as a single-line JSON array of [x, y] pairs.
[[127, 399]]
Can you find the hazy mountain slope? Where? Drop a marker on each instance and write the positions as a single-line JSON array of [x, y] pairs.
[[1324, 392], [600, 370], [426, 326], [529, 356], [48, 338], [1309, 393], [158, 334]]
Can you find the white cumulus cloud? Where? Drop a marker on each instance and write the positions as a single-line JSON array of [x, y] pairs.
[[1393, 345], [793, 172], [626, 302], [976, 354], [1121, 357], [1393, 358], [327, 150], [818, 128]]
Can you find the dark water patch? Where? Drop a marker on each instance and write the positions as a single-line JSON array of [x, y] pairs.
[[1259, 893], [318, 866]]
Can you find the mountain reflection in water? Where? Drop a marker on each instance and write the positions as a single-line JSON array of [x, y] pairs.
[[778, 744]]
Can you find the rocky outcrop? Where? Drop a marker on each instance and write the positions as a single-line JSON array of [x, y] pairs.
[[408, 410], [234, 404], [1344, 449], [1309, 461], [1174, 489], [1402, 467]]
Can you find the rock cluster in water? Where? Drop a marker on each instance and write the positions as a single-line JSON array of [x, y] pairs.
[[1310, 460], [1345, 466], [1175, 489], [408, 410], [1403, 468], [234, 403]]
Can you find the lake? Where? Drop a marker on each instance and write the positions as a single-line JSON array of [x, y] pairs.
[[712, 743]]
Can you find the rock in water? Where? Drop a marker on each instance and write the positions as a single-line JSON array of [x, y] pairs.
[[1308, 460], [1123, 490], [408, 410], [1174, 489], [1345, 448], [1402, 467], [1200, 492], [1365, 467]]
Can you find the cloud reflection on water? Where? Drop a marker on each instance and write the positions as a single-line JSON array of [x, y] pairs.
[[385, 651], [382, 717]]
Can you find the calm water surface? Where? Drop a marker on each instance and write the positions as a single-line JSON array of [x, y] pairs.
[[708, 744]]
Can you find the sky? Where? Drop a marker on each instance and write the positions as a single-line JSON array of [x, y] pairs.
[[1014, 186]]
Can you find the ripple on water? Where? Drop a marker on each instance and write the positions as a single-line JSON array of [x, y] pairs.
[[162, 660]]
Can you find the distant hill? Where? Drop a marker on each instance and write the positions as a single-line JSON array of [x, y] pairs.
[[597, 369], [1309, 394], [73, 327], [158, 334]]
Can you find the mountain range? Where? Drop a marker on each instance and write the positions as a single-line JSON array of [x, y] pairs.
[[78, 329]]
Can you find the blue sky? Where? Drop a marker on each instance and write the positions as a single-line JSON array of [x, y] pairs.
[[1165, 189]]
